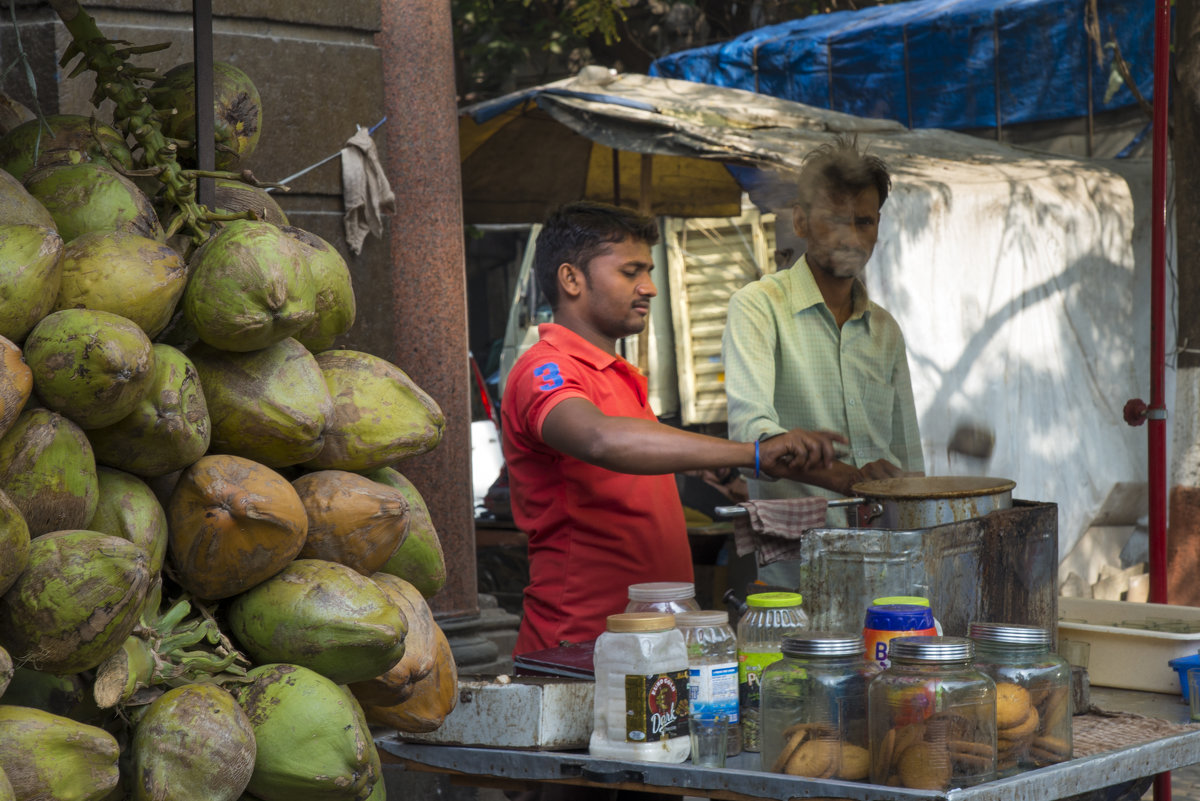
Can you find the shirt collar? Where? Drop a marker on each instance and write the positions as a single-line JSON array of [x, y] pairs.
[[806, 294], [576, 346]]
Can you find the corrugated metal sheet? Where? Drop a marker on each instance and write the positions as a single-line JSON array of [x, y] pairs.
[[708, 259]]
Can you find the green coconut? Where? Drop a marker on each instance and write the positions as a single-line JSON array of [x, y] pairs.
[[92, 366], [92, 197], [63, 139], [48, 471], [31, 263], [312, 744], [323, 616], [14, 543], [167, 430], [127, 508], [6, 670], [380, 415], [250, 287], [77, 601], [60, 695], [48, 757], [419, 560], [233, 197], [18, 207], [269, 405], [194, 743], [335, 292], [123, 273], [237, 110], [16, 383]]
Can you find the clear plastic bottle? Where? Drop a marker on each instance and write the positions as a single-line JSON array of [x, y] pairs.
[[713, 668], [814, 707], [770, 616], [641, 701], [932, 717], [1033, 695], [663, 596]]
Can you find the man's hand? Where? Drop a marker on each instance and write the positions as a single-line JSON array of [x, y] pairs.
[[878, 470], [841, 477], [797, 451]]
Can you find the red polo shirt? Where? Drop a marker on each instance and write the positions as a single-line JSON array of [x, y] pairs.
[[592, 532]]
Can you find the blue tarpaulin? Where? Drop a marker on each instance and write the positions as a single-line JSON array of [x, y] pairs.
[[957, 64]]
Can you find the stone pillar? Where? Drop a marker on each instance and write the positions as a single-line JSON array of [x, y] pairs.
[[420, 303]]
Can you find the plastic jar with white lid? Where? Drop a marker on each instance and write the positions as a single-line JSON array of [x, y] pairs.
[[641, 706], [663, 596], [713, 668]]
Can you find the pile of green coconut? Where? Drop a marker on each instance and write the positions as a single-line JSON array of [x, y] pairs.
[[213, 578]]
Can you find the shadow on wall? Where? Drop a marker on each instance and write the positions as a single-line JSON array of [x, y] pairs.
[[1020, 287]]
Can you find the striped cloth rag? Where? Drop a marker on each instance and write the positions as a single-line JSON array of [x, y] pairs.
[[773, 528]]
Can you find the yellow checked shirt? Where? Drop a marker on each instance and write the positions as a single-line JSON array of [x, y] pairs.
[[787, 365]]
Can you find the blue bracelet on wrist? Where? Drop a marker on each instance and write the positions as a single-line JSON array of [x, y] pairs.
[[757, 461]]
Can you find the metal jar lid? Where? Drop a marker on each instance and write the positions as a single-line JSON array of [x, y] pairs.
[[641, 621], [931, 649], [823, 643], [662, 591], [1009, 634], [774, 600], [705, 617]]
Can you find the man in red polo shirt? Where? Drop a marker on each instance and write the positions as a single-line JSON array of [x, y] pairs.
[[591, 470]]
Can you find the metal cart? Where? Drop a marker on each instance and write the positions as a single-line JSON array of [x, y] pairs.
[[740, 780]]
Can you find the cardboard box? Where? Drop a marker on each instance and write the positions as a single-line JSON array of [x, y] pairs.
[[1127, 657]]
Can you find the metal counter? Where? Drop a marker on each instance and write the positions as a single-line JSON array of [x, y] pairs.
[[742, 780]]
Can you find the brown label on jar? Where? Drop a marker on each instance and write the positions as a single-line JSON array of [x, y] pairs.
[[656, 706]]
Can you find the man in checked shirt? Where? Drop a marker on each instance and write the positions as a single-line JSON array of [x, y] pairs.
[[806, 348]]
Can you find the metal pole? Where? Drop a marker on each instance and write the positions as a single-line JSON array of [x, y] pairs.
[[1157, 413], [202, 57]]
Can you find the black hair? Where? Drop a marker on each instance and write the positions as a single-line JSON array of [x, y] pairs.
[[578, 232], [839, 166]]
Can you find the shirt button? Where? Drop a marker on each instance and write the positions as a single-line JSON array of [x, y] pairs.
[[850, 402]]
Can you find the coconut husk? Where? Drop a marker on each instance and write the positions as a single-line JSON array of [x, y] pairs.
[[48, 470], [380, 415], [46, 756], [352, 520], [193, 743], [420, 647], [233, 523], [16, 384], [333, 759], [323, 616], [31, 260], [432, 699]]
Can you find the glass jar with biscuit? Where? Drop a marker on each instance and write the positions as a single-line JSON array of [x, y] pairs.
[[814, 708], [932, 717], [1033, 695]]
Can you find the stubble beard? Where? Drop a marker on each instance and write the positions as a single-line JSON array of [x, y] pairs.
[[845, 264]]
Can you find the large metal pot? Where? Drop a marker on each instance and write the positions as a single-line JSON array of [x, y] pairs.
[[917, 502]]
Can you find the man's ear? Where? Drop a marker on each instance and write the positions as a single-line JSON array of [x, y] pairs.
[[800, 222], [570, 280]]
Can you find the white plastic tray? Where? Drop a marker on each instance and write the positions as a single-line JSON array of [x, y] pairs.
[[1129, 658]]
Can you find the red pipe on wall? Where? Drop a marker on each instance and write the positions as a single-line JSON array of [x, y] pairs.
[[1157, 412]]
